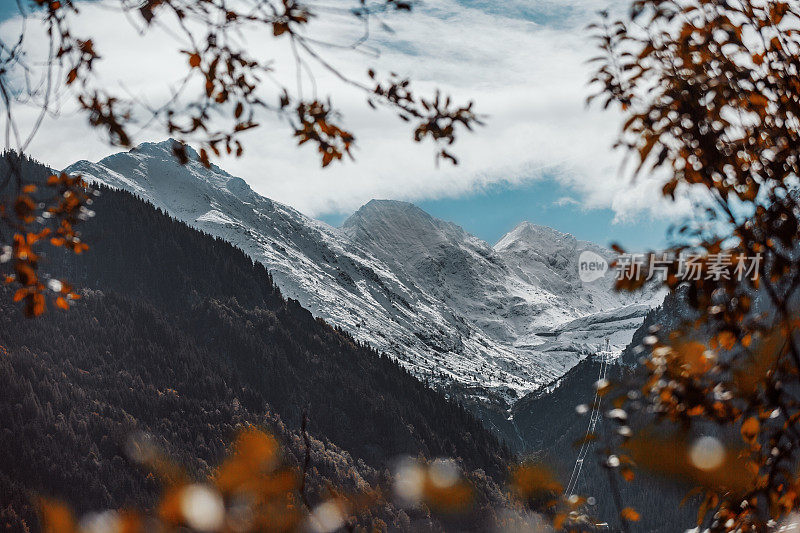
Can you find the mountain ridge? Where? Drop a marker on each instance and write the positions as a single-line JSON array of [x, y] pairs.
[[447, 305]]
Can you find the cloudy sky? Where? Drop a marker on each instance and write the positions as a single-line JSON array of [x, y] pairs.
[[543, 155]]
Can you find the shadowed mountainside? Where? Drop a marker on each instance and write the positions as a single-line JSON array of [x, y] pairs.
[[183, 336]]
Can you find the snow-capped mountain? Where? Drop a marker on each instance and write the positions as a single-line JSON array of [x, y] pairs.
[[499, 320]]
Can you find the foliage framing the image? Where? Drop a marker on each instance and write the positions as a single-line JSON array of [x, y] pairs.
[[711, 98]]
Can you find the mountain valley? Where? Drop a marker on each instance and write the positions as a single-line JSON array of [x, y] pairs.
[[493, 322]]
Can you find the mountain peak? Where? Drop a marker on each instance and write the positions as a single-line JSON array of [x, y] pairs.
[[389, 206], [164, 146], [152, 171], [529, 234], [387, 212], [393, 223]]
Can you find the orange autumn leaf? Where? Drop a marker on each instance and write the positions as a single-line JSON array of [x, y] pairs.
[[532, 479], [754, 369], [627, 474], [697, 410], [36, 305], [693, 358], [56, 517], [726, 340], [450, 499], [746, 340], [254, 451], [630, 514], [170, 506], [750, 429]]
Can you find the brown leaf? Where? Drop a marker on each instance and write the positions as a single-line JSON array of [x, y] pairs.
[[750, 429], [56, 517], [630, 514]]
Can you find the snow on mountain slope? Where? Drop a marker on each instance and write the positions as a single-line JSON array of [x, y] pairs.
[[544, 257], [441, 260], [451, 308]]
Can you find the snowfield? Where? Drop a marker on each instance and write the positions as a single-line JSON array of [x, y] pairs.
[[505, 319]]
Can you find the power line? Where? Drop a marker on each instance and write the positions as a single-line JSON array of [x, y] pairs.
[[594, 416]]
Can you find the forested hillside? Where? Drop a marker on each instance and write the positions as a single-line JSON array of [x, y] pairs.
[[183, 336]]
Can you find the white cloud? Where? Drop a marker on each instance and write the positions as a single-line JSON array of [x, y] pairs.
[[565, 201], [527, 75]]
